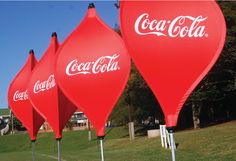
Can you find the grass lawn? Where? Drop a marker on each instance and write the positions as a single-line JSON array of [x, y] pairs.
[[216, 143]]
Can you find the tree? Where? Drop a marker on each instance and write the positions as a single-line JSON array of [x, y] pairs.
[[139, 99], [220, 84]]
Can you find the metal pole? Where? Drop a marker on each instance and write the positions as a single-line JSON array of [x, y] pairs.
[[58, 150], [101, 147], [172, 142], [33, 149], [89, 132], [12, 123], [89, 135], [131, 124]]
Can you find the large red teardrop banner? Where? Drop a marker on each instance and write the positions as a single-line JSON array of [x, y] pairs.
[[92, 69], [19, 101], [173, 44], [45, 94]]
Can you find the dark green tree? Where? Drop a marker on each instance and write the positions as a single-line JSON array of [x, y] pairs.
[[217, 89]]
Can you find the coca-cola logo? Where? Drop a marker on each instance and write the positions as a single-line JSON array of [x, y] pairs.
[[40, 86], [20, 96], [181, 26], [101, 65]]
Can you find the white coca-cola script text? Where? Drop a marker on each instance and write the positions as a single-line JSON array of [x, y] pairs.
[[45, 85], [181, 26], [20, 96], [101, 65]]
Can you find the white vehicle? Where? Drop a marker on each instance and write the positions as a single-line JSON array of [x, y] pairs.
[[4, 127]]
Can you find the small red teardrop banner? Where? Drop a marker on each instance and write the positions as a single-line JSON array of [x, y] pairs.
[[19, 101], [45, 94], [93, 68]]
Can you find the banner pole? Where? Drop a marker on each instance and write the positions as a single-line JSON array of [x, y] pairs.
[[89, 131], [172, 142], [12, 123], [101, 147], [58, 149], [33, 149]]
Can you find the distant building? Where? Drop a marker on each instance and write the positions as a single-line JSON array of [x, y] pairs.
[[78, 121], [5, 118], [5, 114]]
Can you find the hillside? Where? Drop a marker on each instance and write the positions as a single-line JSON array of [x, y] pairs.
[[216, 143]]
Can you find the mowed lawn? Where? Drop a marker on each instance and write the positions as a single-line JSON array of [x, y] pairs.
[[215, 143]]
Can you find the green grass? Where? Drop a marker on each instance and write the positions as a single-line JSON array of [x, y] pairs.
[[216, 143]]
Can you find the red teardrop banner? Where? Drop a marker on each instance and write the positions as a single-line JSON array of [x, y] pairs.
[[92, 69], [19, 102], [173, 44], [45, 94]]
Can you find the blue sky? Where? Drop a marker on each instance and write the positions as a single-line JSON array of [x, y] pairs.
[[28, 25]]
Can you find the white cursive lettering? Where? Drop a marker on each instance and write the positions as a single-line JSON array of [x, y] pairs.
[[45, 85], [20, 96], [181, 26], [101, 65]]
